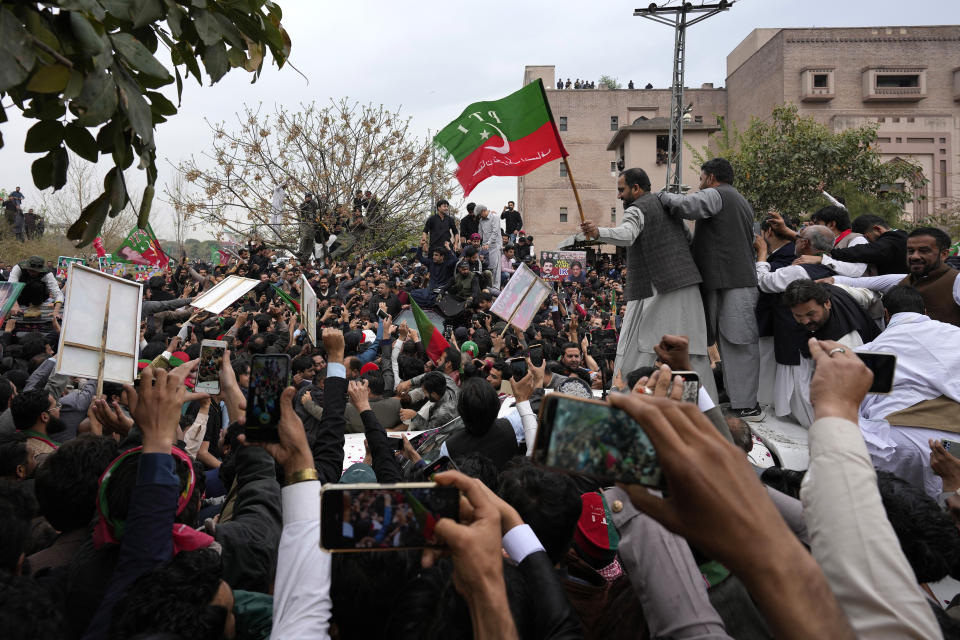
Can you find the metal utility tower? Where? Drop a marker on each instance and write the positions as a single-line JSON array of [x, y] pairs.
[[679, 21]]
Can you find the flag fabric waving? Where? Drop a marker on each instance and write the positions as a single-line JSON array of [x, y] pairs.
[[507, 137], [433, 341], [141, 247], [293, 304]]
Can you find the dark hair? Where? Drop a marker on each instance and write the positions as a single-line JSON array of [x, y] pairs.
[[240, 366], [174, 597], [478, 406], [300, 364], [862, 224], [506, 373], [902, 298], [17, 509], [67, 482], [719, 168], [636, 177], [547, 501], [471, 206], [766, 223], [477, 465], [634, 376], [34, 293], [13, 453], [26, 408], [6, 392], [800, 291], [943, 240], [375, 380], [928, 537], [441, 201], [837, 215], [123, 479], [453, 357], [434, 382], [28, 612], [361, 581], [485, 296], [409, 366], [569, 345]]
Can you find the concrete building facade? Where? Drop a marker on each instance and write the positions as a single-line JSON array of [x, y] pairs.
[[906, 79]]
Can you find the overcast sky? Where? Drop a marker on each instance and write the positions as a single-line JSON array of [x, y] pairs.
[[430, 58]]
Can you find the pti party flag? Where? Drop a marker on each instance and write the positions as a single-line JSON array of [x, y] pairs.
[[433, 341], [507, 137], [293, 304], [141, 247]]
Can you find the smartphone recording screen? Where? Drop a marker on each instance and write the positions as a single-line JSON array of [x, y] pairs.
[[211, 359], [594, 439], [883, 365], [269, 375], [371, 518]]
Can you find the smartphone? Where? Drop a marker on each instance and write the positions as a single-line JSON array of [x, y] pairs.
[[536, 354], [952, 447], [384, 517], [382, 314], [395, 443], [441, 464], [883, 366], [211, 359], [691, 385], [518, 368], [591, 438], [269, 376]]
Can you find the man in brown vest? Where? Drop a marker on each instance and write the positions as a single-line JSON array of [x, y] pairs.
[[928, 273]]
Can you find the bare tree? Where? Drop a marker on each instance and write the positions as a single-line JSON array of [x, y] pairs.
[[332, 152], [177, 196]]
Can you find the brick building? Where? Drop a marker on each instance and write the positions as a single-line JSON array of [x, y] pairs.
[[907, 79]]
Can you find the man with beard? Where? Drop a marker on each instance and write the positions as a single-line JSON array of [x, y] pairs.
[[72, 406], [492, 240], [37, 414], [819, 311], [937, 282], [469, 224]]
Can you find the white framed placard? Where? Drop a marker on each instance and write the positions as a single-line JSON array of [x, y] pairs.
[[223, 294], [92, 299], [521, 298], [308, 309]]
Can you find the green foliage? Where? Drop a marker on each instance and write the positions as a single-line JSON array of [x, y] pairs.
[[780, 164], [610, 82], [96, 60]]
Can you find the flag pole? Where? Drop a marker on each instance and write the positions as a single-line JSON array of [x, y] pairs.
[[576, 194]]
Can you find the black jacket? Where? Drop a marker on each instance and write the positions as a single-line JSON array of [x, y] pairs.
[[888, 253]]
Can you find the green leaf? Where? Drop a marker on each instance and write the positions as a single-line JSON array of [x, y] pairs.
[[230, 32], [119, 9], [133, 104], [74, 85], [236, 57], [146, 203], [81, 142], [42, 171], [98, 100], [174, 18], [43, 136], [61, 162], [160, 104], [91, 42], [215, 61], [207, 27], [146, 12], [16, 55], [91, 220], [138, 57], [49, 79], [113, 184]]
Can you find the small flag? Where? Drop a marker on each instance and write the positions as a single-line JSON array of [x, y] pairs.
[[433, 341], [293, 304], [507, 137]]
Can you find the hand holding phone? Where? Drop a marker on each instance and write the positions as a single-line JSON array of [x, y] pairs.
[[211, 361], [269, 376]]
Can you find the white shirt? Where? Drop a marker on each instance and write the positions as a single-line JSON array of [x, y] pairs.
[[882, 284], [928, 366], [853, 542], [777, 281], [53, 288]]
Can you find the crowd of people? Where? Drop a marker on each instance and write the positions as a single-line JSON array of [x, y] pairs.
[[146, 512], [589, 84], [22, 224]]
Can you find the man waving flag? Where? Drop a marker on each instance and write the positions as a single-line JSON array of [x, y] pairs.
[[507, 137]]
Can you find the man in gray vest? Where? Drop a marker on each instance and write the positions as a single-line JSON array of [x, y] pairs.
[[723, 251], [662, 292]]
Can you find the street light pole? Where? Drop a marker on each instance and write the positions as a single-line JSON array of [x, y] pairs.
[[679, 22]]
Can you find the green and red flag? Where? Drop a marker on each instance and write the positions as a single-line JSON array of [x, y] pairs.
[[433, 341], [293, 304], [507, 137], [141, 247]]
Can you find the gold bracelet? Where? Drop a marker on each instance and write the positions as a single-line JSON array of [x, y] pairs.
[[302, 476]]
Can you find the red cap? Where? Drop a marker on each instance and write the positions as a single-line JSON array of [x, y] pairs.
[[368, 367], [595, 531]]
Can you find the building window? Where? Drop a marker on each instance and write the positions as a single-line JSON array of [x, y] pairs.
[[910, 119], [896, 119], [563, 169], [613, 166], [613, 215], [563, 214], [563, 123], [698, 119], [883, 139], [942, 151], [920, 140], [943, 178], [816, 85], [905, 84], [943, 140], [614, 123], [888, 81], [899, 140], [820, 80]]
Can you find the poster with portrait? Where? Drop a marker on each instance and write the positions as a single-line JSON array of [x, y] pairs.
[[63, 265], [563, 266], [9, 292], [521, 298]]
